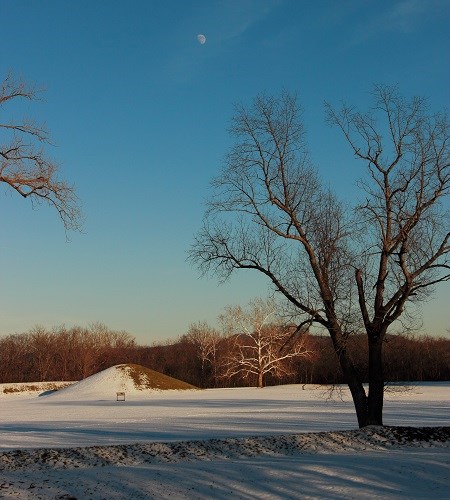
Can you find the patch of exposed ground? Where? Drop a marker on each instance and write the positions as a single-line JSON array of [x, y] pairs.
[[369, 438], [145, 378]]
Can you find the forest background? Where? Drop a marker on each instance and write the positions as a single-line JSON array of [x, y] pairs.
[[69, 354]]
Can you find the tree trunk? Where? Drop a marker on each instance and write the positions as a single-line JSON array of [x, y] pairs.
[[260, 380], [376, 383], [356, 389], [354, 383]]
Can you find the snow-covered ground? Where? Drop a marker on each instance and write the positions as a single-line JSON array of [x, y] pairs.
[[243, 460]]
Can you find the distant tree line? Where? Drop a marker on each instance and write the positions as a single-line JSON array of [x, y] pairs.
[[203, 357], [62, 353]]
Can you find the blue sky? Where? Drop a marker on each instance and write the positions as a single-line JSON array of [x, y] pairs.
[[138, 112]]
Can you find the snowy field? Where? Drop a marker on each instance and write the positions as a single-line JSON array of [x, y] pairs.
[[243, 460]]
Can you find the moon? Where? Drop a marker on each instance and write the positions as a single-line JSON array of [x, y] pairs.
[[201, 39]]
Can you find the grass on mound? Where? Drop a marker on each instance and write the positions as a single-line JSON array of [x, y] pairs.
[[145, 378]]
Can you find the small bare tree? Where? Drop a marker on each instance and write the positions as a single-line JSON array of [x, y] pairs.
[[257, 340], [24, 165], [42, 347], [344, 273], [206, 340]]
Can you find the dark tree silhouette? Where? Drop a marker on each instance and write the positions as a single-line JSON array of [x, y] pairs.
[[343, 272]]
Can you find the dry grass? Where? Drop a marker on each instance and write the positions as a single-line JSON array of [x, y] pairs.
[[145, 378], [35, 387]]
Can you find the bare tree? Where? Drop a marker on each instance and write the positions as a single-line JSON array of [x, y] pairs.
[[66, 352], [270, 213], [206, 340], [42, 347], [405, 252], [24, 165], [258, 337]]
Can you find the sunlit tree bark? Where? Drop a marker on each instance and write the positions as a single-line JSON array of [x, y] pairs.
[[25, 166], [258, 339]]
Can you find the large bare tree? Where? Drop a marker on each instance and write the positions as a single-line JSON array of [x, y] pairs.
[[342, 270], [24, 164]]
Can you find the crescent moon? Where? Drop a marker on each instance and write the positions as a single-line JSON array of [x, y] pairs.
[[201, 38]]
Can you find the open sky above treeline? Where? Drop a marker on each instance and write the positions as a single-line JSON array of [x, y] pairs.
[[139, 109]]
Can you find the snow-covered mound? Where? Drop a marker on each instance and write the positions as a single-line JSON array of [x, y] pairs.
[[130, 379]]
